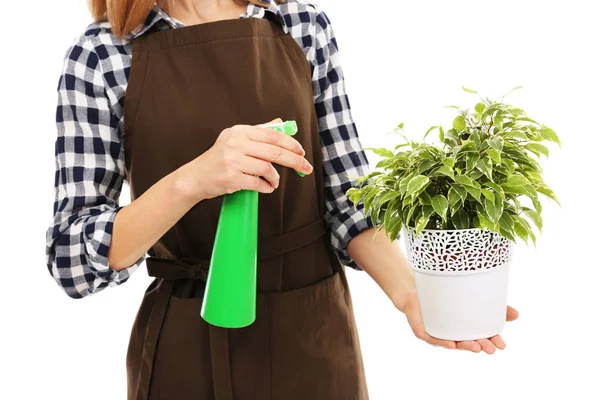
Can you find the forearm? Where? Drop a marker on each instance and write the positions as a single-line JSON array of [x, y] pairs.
[[139, 225], [384, 261]]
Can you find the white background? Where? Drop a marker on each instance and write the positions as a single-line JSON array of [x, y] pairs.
[[403, 61]]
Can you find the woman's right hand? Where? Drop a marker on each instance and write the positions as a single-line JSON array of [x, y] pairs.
[[240, 156]]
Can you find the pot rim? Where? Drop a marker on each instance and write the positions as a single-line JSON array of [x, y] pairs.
[[412, 229]]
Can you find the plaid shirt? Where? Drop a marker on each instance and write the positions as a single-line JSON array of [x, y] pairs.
[[90, 167]]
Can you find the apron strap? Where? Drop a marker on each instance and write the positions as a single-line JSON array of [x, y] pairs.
[[219, 358], [270, 247], [153, 328], [277, 245]]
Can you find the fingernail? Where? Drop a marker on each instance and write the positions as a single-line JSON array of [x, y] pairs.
[[302, 150], [307, 166]]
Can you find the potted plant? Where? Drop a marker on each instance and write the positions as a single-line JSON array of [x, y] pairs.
[[461, 204]]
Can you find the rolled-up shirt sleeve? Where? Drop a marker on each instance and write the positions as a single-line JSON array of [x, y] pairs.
[[89, 175], [343, 154]]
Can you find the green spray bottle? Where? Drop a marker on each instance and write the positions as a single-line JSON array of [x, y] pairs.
[[230, 294]]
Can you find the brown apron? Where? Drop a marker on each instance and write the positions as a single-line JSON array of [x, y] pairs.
[[186, 85]]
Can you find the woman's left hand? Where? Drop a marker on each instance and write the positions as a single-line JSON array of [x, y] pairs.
[[412, 309]]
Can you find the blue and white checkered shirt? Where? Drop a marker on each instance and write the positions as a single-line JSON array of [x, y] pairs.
[[90, 168]]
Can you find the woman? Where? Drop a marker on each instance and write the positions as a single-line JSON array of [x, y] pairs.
[[169, 96]]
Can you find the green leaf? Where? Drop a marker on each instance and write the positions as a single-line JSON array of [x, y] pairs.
[[459, 123], [497, 143], [488, 194], [485, 222], [464, 180], [389, 212], [404, 183], [485, 166], [461, 191], [550, 135], [509, 164], [499, 121], [516, 180], [400, 125], [421, 224], [471, 160], [480, 108], [425, 165], [474, 192], [533, 176], [460, 220], [469, 90], [537, 148], [546, 191], [394, 229], [494, 155], [381, 151], [516, 135], [444, 170], [425, 198], [440, 205], [521, 231], [534, 216], [369, 198], [429, 130], [453, 197], [506, 222], [495, 187], [449, 162], [411, 212], [416, 184], [507, 233], [516, 190], [494, 208], [441, 134], [525, 225], [511, 90], [527, 119], [388, 197], [427, 211]]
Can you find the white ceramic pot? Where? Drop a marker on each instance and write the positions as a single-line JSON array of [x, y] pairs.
[[462, 281]]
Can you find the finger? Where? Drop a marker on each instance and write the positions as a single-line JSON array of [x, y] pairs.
[[279, 155], [275, 121], [251, 182], [498, 342], [487, 346], [469, 345], [255, 166], [511, 314], [276, 138], [449, 344]]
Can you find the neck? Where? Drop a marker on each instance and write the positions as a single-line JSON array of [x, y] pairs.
[[192, 12]]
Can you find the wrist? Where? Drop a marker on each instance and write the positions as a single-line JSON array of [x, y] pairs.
[[187, 190], [403, 300]]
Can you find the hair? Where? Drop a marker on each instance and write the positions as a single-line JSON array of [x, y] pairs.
[[126, 15]]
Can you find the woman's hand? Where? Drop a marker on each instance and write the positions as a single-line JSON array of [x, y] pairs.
[[240, 156], [412, 309]]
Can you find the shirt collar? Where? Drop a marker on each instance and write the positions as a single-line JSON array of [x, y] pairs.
[[255, 9]]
